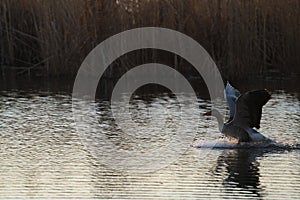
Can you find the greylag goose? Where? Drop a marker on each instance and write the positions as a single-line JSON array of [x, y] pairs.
[[244, 114]]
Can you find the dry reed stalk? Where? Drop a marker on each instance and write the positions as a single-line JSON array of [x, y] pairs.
[[242, 36]]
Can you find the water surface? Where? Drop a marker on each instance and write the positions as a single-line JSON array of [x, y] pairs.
[[43, 155]]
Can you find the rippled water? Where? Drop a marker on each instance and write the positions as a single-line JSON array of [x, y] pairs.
[[44, 155]]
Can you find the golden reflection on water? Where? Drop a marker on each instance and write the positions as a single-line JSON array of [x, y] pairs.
[[42, 156], [49, 171]]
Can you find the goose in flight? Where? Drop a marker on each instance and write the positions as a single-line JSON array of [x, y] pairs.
[[244, 113]]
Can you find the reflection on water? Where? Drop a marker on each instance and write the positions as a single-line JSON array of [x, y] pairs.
[[42, 155], [241, 169]]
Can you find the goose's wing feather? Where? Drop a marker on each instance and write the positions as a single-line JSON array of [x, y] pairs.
[[249, 108], [231, 95]]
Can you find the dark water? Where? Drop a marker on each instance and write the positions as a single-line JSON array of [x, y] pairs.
[[44, 156]]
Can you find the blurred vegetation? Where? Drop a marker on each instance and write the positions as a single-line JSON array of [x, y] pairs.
[[51, 38]]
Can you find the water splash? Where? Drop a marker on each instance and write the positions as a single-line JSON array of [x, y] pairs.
[[232, 144]]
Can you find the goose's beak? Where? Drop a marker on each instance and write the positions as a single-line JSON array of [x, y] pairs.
[[207, 113]]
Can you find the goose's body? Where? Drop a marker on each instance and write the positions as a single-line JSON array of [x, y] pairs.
[[244, 114]]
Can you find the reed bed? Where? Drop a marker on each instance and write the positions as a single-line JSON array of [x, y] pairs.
[[51, 38]]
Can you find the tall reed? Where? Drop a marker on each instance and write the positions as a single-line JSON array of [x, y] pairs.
[[51, 38]]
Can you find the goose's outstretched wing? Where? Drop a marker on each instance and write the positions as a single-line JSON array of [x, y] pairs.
[[231, 95], [249, 108]]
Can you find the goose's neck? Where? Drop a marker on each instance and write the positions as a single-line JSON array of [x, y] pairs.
[[219, 117]]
